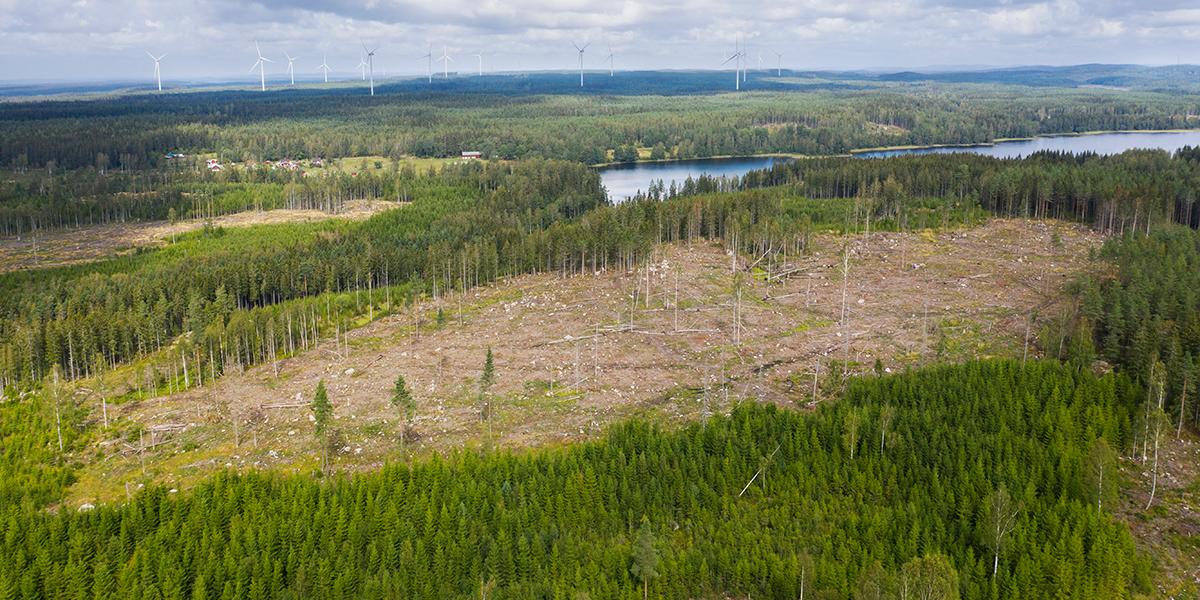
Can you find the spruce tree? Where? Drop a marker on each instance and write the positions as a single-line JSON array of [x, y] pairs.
[[403, 400], [645, 557], [322, 410]]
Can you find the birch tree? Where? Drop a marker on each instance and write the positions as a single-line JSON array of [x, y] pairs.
[[1004, 511], [1102, 471]]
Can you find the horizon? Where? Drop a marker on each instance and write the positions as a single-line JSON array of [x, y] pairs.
[[280, 77], [81, 40]]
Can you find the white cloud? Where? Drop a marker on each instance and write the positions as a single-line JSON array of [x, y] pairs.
[[77, 38]]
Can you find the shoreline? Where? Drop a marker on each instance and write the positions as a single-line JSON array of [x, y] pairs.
[[1013, 139], [857, 151], [647, 161]]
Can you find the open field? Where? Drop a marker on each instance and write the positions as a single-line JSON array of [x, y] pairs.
[[575, 354], [60, 247], [369, 163]]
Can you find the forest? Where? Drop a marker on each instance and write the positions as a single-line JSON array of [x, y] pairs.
[[999, 478], [977, 480], [136, 132]]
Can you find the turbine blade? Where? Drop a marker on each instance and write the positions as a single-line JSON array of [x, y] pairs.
[[254, 66]]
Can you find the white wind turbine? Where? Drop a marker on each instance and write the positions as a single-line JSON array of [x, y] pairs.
[[429, 68], [261, 65], [324, 67], [446, 60], [585, 46], [778, 64], [362, 66], [745, 63], [479, 55], [610, 60], [291, 69], [370, 65], [157, 70], [737, 66]]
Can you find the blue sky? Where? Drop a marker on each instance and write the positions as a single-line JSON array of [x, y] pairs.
[[94, 39]]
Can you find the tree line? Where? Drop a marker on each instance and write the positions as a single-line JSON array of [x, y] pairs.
[[1134, 190], [136, 132]]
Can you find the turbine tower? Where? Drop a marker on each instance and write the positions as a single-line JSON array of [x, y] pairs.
[[479, 55], [371, 65], [778, 64], [324, 67], [446, 60], [291, 69], [429, 69], [585, 46], [610, 60], [261, 65], [744, 63], [157, 70]]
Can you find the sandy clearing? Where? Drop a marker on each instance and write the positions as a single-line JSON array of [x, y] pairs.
[[58, 247], [911, 298]]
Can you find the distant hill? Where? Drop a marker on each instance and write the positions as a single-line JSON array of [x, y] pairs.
[[1165, 78]]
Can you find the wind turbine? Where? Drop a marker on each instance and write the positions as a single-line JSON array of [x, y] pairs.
[[362, 66], [157, 70], [429, 70], [778, 64], [610, 60], [261, 65], [479, 55], [324, 67], [737, 66], [585, 46], [446, 60], [291, 69], [370, 65]]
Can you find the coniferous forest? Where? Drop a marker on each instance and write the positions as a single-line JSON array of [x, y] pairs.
[[1017, 473], [911, 499]]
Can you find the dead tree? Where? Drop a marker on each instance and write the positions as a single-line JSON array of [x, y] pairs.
[[887, 413]]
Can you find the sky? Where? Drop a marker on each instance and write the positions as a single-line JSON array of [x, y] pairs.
[[109, 39]]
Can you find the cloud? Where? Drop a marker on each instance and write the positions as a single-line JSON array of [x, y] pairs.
[[76, 38]]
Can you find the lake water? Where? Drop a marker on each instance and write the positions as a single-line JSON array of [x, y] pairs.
[[623, 181], [1101, 143]]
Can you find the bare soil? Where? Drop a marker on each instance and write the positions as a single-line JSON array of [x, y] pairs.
[[575, 354], [58, 247], [1169, 530]]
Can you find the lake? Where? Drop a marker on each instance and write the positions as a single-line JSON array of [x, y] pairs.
[[625, 180], [1100, 143]]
